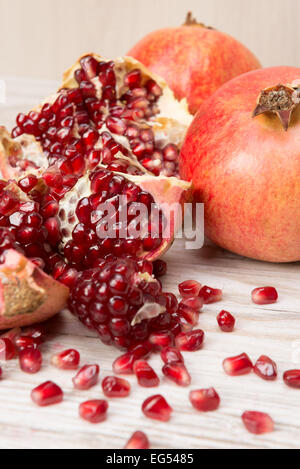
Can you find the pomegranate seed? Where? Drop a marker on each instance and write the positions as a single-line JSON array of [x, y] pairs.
[[138, 441], [292, 378], [258, 422], [265, 368], [157, 408], [7, 349], [87, 377], [178, 373], [93, 411], [142, 350], [30, 360], [159, 268], [205, 400], [190, 341], [189, 317], [115, 387], [133, 78], [195, 303], [237, 366], [46, 394], [123, 365], [161, 339], [264, 295], [210, 295], [146, 376], [66, 360], [189, 288], [226, 321], [26, 342], [171, 355], [36, 332]]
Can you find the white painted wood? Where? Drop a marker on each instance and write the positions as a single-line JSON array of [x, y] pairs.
[[272, 330]]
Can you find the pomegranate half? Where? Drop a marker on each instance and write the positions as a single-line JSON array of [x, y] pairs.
[[242, 153]]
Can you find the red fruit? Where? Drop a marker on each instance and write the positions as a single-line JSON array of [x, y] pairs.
[[87, 377], [138, 440], [292, 378], [28, 295], [258, 422], [46, 394], [237, 366], [123, 365], [30, 360], [93, 411], [195, 303], [159, 268], [115, 387], [205, 400], [264, 295], [178, 373], [157, 408], [226, 321], [190, 341], [189, 288], [161, 339], [266, 368], [195, 60], [146, 376], [66, 360], [7, 349], [210, 295], [26, 343], [171, 355], [234, 159]]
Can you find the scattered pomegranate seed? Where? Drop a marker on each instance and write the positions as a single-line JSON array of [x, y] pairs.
[[161, 339], [66, 360], [115, 387], [159, 268], [266, 368], [146, 376], [138, 441], [171, 355], [25, 342], [205, 400], [47, 393], [264, 295], [142, 350], [189, 288], [37, 332], [94, 411], [87, 377], [123, 365], [237, 366], [226, 321], [7, 349], [292, 378], [258, 422], [177, 373], [157, 408], [30, 360], [195, 303], [190, 341], [210, 295]]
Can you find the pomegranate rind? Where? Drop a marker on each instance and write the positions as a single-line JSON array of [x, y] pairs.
[[27, 294]]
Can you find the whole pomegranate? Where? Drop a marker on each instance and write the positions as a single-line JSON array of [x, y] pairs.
[[246, 170], [195, 60]]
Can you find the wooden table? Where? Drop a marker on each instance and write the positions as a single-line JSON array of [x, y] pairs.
[[271, 330]]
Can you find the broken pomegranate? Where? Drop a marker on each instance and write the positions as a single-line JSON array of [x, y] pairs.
[[87, 377], [146, 376], [30, 360], [205, 400], [47, 393], [7, 349], [210, 295], [157, 408], [226, 321], [177, 373], [93, 411], [258, 422], [264, 295], [138, 440], [237, 366], [190, 341], [292, 378], [265, 368], [115, 387]]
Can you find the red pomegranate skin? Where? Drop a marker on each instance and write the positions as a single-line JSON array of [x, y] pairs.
[[247, 170], [194, 60]]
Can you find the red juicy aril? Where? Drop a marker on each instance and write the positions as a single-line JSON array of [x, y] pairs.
[[66, 360], [138, 440], [205, 400], [30, 360], [115, 387], [86, 377], [264, 295], [157, 408], [93, 411], [258, 422], [47, 393], [146, 376], [226, 321], [266, 368], [292, 378], [177, 373], [122, 304], [7, 349], [105, 112], [237, 366]]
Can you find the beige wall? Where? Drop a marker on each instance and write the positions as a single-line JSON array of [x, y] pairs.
[[40, 38]]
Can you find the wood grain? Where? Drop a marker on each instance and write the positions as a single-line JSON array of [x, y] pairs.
[[271, 330], [42, 38]]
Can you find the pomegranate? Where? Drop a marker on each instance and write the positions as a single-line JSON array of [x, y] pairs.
[[157, 408], [195, 60], [138, 440], [177, 373], [30, 360], [115, 387], [94, 411], [27, 295], [238, 365], [66, 360], [226, 321], [264, 295], [47, 393], [205, 400], [258, 422], [146, 376], [246, 169], [266, 368], [87, 377]]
